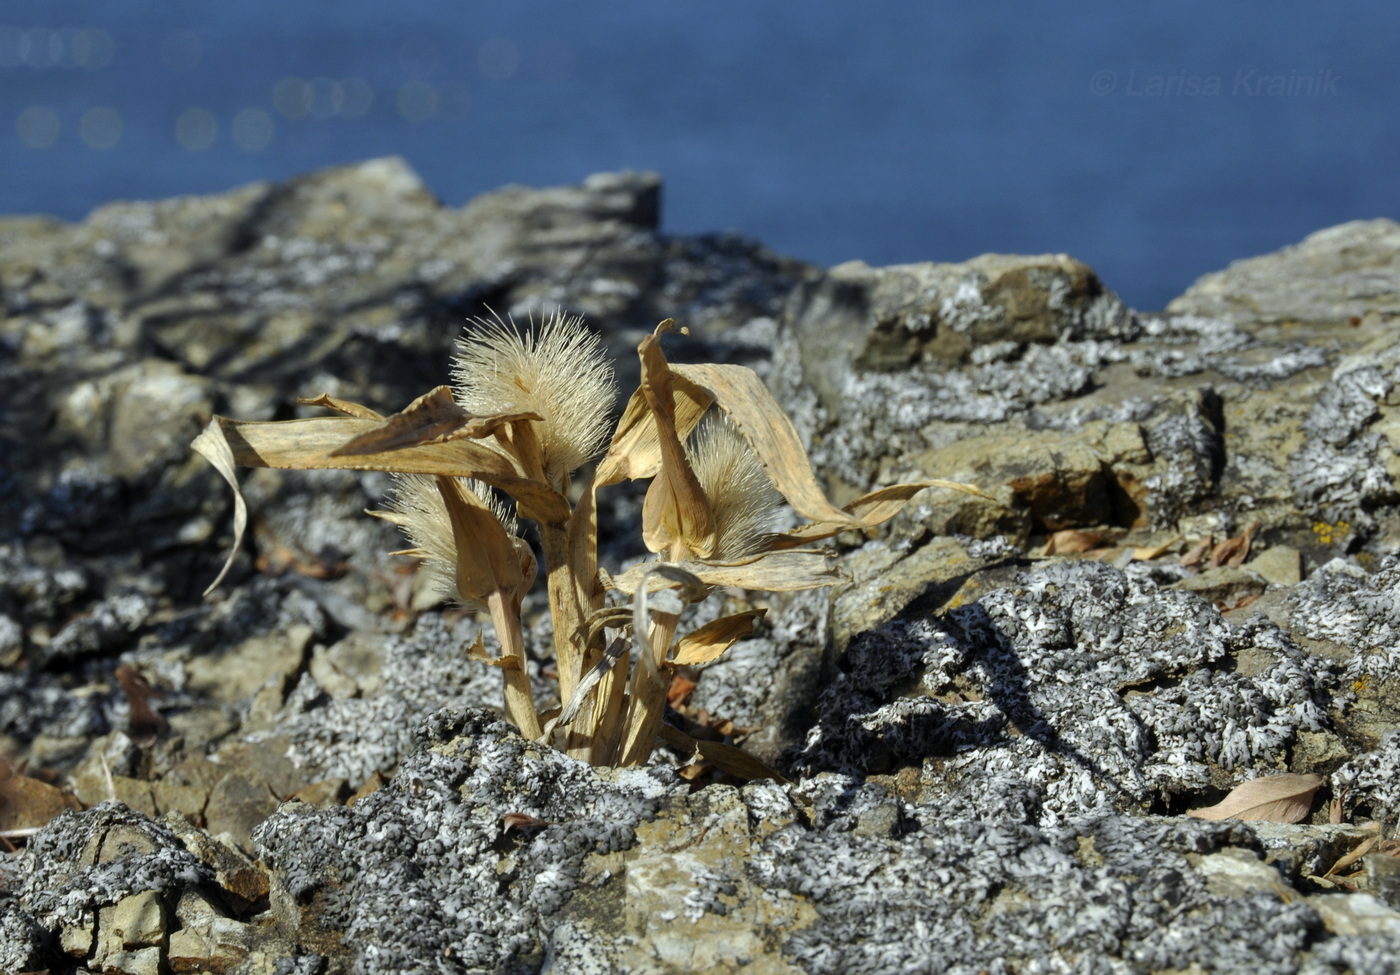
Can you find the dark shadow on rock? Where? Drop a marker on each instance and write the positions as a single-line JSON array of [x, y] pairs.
[[881, 667]]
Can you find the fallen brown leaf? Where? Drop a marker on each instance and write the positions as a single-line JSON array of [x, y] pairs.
[[680, 689], [522, 822], [1233, 551], [146, 722], [1072, 540], [1196, 553], [1283, 798]]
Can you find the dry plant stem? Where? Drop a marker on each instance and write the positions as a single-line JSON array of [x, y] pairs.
[[598, 745], [574, 659], [647, 704], [520, 703], [564, 609]]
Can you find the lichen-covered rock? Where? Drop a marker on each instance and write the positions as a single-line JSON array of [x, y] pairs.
[[990, 752], [441, 844], [1076, 687], [1350, 270]]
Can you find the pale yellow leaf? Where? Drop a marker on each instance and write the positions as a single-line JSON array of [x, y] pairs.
[[1070, 541], [1283, 798], [872, 509], [710, 641], [487, 561], [635, 452], [432, 418], [786, 571], [751, 407], [309, 444], [329, 402], [676, 514], [214, 447]]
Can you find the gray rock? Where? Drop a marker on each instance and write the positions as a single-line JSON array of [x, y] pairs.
[[990, 751], [1332, 275]]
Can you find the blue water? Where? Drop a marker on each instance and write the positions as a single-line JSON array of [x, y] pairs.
[[1156, 141]]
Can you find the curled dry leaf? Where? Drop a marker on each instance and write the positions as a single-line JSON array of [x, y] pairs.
[[1233, 551], [522, 822], [676, 515], [328, 402], [1146, 553], [1196, 553], [772, 571], [709, 642], [1273, 798], [728, 758], [1360, 850], [873, 509], [432, 418]]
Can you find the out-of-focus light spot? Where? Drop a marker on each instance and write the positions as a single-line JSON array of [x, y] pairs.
[[252, 129], [180, 50], [552, 60], [292, 98], [38, 127], [418, 55], [417, 101], [66, 37], [100, 128], [41, 48], [326, 97], [454, 101], [356, 97], [196, 129], [93, 48], [498, 59], [10, 56]]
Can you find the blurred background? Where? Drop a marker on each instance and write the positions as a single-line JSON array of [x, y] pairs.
[[1156, 141]]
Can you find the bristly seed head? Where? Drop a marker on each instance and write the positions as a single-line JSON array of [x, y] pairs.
[[558, 371], [740, 494], [422, 516]]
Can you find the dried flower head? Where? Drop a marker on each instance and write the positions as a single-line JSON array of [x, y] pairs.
[[741, 496], [557, 371], [417, 508]]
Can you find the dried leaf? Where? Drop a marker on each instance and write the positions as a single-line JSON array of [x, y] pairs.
[[676, 514], [477, 651], [735, 761], [710, 641], [786, 571], [1071, 541], [487, 559], [1197, 553], [761, 421], [213, 446], [1274, 798], [635, 452], [680, 689], [1233, 551], [873, 509], [145, 722], [308, 445], [30, 803], [1148, 553], [522, 822], [1360, 851], [344, 406], [432, 418]]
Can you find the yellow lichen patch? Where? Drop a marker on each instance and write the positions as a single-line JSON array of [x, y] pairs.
[[1331, 533]]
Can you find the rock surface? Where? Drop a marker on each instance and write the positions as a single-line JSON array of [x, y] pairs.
[[1188, 578]]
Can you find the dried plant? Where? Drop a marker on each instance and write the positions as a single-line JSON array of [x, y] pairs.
[[528, 410]]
